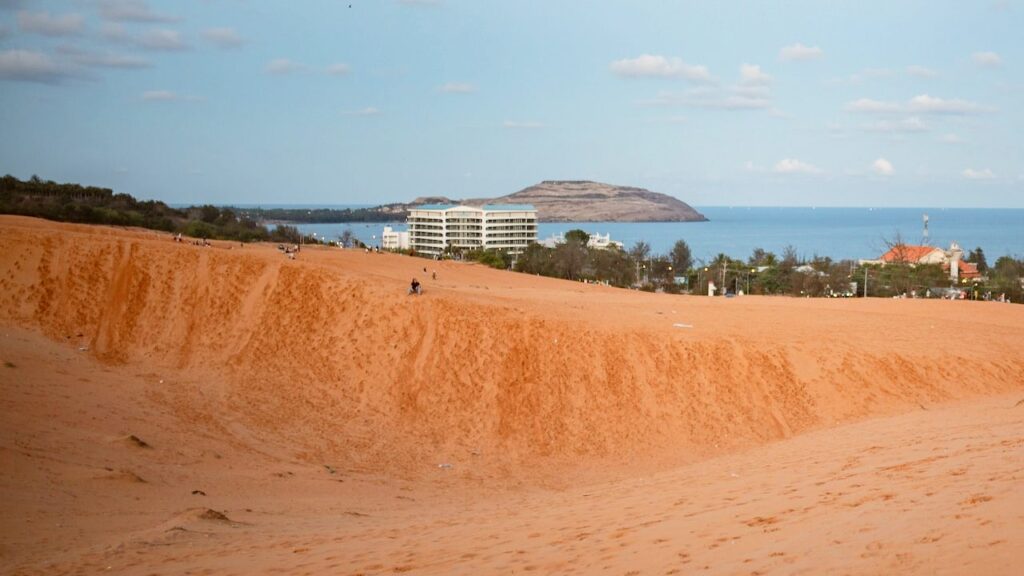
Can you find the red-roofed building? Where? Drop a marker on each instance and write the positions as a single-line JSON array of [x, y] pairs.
[[907, 254], [951, 260], [968, 270]]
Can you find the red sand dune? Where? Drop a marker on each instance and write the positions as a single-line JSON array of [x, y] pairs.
[[311, 401]]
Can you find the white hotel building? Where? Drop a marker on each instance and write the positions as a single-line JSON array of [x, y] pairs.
[[506, 227]]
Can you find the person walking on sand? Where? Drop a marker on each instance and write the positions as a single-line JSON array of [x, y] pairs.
[[433, 274], [414, 288]]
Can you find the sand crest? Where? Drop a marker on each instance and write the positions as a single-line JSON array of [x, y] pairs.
[[499, 422]]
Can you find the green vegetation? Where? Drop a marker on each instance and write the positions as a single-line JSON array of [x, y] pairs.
[[92, 205], [396, 213], [763, 272]]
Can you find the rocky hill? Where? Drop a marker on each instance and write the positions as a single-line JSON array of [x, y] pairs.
[[586, 201]]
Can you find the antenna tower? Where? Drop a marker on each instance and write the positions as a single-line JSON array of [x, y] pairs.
[[924, 238]]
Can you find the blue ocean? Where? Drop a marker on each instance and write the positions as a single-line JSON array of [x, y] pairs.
[[838, 233]]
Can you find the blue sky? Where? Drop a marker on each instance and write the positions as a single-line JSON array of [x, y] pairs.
[[717, 103]]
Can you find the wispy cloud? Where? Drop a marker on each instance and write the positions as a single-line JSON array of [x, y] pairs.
[[907, 125], [987, 59], [457, 88], [972, 174], [794, 166], [284, 66], [31, 66], [166, 40], [368, 111], [921, 104], [751, 93], [47, 25], [872, 106], [131, 11], [167, 96], [523, 125], [153, 40], [921, 71], [94, 59], [650, 65], [752, 75], [224, 38], [883, 167], [797, 52], [339, 69], [928, 104]]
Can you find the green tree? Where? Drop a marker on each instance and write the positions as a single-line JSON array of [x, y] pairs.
[[681, 257], [640, 251], [977, 257], [577, 236], [569, 259]]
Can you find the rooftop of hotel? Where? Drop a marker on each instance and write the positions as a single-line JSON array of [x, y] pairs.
[[487, 207]]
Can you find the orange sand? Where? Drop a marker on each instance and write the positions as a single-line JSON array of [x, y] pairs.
[[311, 402]]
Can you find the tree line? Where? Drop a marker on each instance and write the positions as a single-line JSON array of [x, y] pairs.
[[762, 272], [92, 205]]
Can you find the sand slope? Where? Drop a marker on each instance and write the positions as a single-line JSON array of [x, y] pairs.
[[280, 381]]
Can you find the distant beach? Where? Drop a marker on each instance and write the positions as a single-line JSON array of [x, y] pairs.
[[838, 233]]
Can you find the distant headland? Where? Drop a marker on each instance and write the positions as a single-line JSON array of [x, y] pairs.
[[581, 201]]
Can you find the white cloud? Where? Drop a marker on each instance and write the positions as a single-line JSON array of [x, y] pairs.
[[283, 66], [972, 174], [523, 125], [738, 97], [921, 104], [800, 52], [166, 96], [752, 74], [156, 39], [168, 40], [339, 69], [658, 66], [368, 111], [794, 166], [873, 106], [47, 25], [457, 88], [928, 104], [987, 59], [102, 59], [882, 167], [130, 11], [921, 71], [30, 66], [912, 124], [224, 38]]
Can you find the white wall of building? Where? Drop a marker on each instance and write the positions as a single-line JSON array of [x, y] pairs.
[[507, 228]]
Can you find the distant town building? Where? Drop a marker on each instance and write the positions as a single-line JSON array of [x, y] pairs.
[[596, 241], [394, 240], [951, 260], [507, 227]]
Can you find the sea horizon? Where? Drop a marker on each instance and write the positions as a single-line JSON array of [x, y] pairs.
[[837, 233]]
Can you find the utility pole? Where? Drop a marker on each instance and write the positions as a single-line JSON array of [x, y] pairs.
[[865, 282]]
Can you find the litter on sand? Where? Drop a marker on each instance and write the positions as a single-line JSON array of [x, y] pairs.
[[681, 325]]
